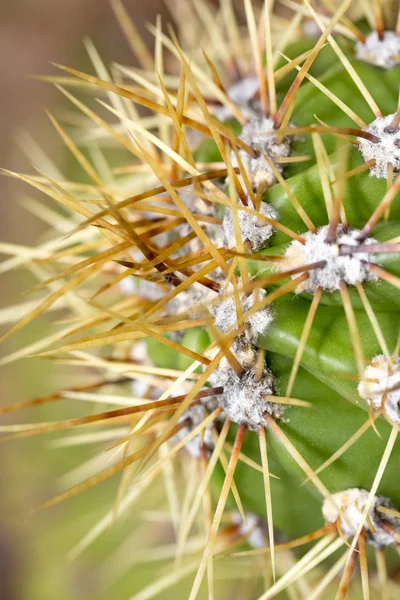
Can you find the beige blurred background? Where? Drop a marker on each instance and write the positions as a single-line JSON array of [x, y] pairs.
[[33, 546]]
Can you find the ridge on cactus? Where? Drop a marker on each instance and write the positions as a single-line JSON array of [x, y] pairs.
[[234, 283]]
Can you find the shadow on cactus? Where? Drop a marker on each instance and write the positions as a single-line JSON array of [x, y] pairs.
[[235, 285]]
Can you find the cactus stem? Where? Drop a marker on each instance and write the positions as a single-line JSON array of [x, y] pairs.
[[287, 444], [296, 204], [350, 442]]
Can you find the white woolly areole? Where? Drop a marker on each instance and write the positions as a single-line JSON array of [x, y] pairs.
[[348, 268], [348, 506], [255, 529], [242, 94], [194, 416], [384, 152], [382, 53], [257, 168], [256, 324], [254, 229], [244, 399], [378, 377]]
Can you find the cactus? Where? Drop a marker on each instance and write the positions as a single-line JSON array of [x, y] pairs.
[[235, 283]]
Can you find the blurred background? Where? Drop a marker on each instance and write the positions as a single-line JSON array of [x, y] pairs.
[[34, 546]]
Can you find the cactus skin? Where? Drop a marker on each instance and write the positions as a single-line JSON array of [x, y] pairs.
[[330, 364]]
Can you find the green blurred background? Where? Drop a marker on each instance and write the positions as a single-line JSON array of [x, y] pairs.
[[34, 546]]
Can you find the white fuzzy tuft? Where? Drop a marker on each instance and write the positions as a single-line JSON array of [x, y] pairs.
[[256, 324], [348, 506], [242, 94], [258, 169], [382, 53], [255, 529], [254, 229], [384, 152], [348, 268], [244, 399], [378, 377]]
